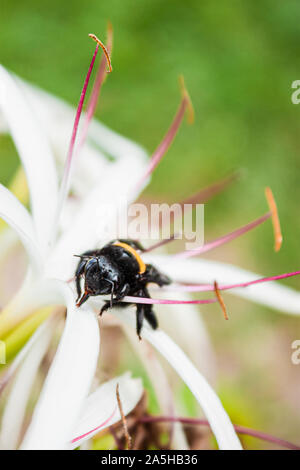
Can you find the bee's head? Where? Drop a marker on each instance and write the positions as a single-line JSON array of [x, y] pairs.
[[101, 276]]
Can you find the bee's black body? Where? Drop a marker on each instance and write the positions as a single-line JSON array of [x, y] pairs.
[[118, 270]]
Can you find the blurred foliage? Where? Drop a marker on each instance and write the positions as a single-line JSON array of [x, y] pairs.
[[239, 60]]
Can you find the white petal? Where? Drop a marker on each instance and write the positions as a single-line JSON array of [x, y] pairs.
[[185, 325], [15, 214], [272, 294], [160, 384], [57, 116], [90, 168], [101, 409], [212, 407], [16, 403], [68, 381], [21, 355], [34, 152], [86, 232]]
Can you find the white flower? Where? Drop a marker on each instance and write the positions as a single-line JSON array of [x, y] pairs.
[[66, 414]]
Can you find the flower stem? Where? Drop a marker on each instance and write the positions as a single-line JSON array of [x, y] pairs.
[[239, 429]]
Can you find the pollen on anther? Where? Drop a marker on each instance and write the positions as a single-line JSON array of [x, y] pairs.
[[220, 300], [275, 218], [97, 40]]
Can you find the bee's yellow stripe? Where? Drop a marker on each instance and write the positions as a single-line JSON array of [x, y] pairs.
[[131, 250]]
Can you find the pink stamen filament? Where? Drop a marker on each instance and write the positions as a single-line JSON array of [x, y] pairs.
[[160, 244], [200, 197], [224, 239], [101, 75], [210, 288], [239, 429], [68, 165], [169, 137], [205, 194], [146, 300]]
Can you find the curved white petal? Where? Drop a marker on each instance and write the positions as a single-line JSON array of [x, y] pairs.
[[34, 153], [185, 325], [15, 405], [68, 381], [272, 294], [21, 355], [159, 383], [15, 214], [97, 217], [219, 421], [101, 410], [90, 168], [57, 115]]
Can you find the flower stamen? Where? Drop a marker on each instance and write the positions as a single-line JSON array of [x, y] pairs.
[[210, 288], [185, 105], [100, 43], [101, 75], [220, 300], [224, 239], [68, 164], [203, 422], [275, 218]]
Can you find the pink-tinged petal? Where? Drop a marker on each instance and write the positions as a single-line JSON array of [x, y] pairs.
[[65, 184], [35, 154], [101, 410], [197, 271], [87, 435], [224, 239], [204, 394], [69, 379], [169, 137], [17, 216]]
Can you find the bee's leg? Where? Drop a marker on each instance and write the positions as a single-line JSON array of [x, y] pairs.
[[151, 317], [144, 311], [116, 301], [148, 311], [105, 307], [153, 275], [140, 310]]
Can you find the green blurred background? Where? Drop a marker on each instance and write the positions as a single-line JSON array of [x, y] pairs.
[[239, 60]]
